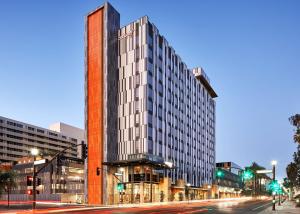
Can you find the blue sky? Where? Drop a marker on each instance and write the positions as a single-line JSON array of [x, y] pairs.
[[249, 49]]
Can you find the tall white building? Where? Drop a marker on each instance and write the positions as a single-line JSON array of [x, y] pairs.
[[165, 110]]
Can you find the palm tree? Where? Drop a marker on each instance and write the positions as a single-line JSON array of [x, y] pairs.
[[257, 186], [7, 182], [295, 121]]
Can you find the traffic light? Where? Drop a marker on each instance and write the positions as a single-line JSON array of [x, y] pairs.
[[247, 174], [29, 180], [39, 182], [30, 192], [120, 186], [219, 173], [274, 186], [59, 160], [84, 151]]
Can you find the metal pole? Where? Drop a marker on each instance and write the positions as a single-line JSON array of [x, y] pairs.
[[188, 194], [273, 206], [123, 188], [8, 189], [218, 188], [151, 173], [34, 186], [279, 203]]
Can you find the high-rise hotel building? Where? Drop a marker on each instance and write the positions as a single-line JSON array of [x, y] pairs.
[[150, 119]]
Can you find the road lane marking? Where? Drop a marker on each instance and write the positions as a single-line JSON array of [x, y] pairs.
[[261, 206]]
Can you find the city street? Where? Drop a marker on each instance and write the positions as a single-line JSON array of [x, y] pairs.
[[215, 206], [153, 107]]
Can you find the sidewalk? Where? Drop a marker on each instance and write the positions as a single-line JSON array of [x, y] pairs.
[[286, 207]]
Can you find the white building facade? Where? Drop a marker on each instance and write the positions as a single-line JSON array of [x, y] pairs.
[[166, 111], [18, 138]]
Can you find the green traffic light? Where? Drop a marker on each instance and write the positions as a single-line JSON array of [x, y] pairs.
[[274, 186], [247, 175], [120, 186], [220, 174]]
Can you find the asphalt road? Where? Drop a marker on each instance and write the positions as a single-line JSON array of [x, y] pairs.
[[219, 207], [253, 206], [230, 206]]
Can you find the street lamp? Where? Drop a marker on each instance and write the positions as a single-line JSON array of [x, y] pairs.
[[188, 191], [274, 163], [34, 152]]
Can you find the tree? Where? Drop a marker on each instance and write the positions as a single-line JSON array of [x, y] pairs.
[[295, 121], [7, 182], [292, 171], [257, 178]]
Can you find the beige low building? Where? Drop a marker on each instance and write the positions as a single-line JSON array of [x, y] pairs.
[[61, 181]]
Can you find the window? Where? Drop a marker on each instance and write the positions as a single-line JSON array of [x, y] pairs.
[[40, 131], [30, 128], [52, 134], [137, 133]]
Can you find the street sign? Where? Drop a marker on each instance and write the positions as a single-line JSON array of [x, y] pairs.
[[264, 171], [39, 162]]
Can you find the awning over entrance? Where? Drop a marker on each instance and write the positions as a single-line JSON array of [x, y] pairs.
[[141, 159]]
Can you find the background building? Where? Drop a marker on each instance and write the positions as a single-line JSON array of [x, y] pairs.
[[228, 180], [18, 138], [165, 116], [61, 181], [258, 184]]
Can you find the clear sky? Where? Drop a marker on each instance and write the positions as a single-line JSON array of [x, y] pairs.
[[249, 49]]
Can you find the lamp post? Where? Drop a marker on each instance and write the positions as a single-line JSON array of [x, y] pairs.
[[209, 192], [188, 191], [274, 163], [170, 166], [34, 153]]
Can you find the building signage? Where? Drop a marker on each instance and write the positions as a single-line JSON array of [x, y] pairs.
[[264, 171]]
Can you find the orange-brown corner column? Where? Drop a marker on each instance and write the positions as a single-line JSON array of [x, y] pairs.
[[94, 54]]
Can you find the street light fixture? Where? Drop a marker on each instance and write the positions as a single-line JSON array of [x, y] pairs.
[[274, 162], [34, 152], [188, 191]]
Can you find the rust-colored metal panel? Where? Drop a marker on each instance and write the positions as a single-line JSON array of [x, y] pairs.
[[95, 105]]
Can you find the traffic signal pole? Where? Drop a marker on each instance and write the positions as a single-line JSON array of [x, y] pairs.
[[36, 172]]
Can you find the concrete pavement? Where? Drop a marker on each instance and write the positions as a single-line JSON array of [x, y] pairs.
[[286, 208]]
